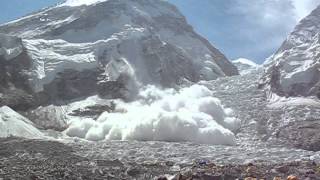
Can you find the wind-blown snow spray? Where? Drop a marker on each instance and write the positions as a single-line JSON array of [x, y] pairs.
[[188, 114]]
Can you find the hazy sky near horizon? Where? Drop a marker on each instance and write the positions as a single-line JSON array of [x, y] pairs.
[[252, 29]]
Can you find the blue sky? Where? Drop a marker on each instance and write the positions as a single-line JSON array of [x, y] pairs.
[[12, 9], [252, 29]]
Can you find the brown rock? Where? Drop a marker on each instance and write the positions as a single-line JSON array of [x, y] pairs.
[[292, 177]]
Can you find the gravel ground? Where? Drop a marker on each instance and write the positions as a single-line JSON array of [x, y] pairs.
[[39, 159]]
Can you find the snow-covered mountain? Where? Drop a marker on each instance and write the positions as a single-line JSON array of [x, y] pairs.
[[245, 66], [294, 70], [93, 68], [110, 48]]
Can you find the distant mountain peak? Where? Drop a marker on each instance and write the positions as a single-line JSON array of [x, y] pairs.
[[245, 66]]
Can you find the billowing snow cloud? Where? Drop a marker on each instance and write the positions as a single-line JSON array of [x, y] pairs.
[[191, 114]]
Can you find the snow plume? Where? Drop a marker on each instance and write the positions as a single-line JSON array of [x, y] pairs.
[[304, 7], [190, 114]]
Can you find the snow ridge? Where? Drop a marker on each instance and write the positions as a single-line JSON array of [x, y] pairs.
[[81, 2]]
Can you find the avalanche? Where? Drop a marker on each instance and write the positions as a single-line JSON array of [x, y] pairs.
[[191, 114], [80, 54]]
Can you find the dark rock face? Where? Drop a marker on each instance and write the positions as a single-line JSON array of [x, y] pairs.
[[94, 111], [15, 91], [71, 84], [163, 53]]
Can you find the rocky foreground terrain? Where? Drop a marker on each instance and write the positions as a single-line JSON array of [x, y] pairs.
[[38, 159]]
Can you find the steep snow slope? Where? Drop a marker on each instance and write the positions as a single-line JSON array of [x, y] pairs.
[[119, 42], [294, 70], [13, 124], [245, 66]]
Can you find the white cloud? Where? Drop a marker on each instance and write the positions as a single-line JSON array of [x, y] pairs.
[[304, 7], [267, 21]]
